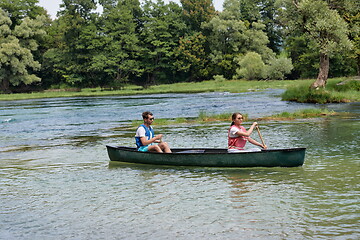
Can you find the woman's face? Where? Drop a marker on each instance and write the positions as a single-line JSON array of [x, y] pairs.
[[239, 119]]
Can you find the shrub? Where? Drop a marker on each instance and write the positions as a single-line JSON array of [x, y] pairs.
[[219, 78], [278, 68], [252, 67]]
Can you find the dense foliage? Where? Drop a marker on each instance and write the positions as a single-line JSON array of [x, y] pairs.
[[151, 42]]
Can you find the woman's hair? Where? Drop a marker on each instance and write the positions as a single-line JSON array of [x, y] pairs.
[[233, 117]]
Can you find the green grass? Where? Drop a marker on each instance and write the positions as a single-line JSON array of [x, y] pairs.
[[233, 86], [301, 114], [209, 117], [205, 117], [297, 90], [337, 90]]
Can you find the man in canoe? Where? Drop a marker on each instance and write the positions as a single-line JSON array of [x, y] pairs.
[[238, 135], [145, 137]]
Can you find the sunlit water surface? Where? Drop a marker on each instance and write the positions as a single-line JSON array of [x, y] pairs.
[[56, 181]]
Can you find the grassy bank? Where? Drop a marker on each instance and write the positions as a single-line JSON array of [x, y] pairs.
[[301, 114], [338, 90], [204, 117], [297, 90], [189, 87]]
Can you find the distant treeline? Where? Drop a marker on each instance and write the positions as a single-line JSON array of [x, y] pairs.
[[152, 42]]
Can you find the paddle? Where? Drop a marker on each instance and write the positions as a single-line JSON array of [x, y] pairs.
[[262, 140]]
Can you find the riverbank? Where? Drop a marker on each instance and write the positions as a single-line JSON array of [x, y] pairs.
[[234, 86], [297, 89], [204, 117]]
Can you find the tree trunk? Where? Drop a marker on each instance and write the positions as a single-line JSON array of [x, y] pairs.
[[323, 72], [5, 86], [358, 65]]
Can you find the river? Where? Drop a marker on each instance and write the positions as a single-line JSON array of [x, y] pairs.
[[57, 183]]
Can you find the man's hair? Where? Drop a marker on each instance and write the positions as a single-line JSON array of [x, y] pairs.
[[146, 114]]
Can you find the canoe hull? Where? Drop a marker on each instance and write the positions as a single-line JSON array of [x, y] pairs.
[[293, 157]]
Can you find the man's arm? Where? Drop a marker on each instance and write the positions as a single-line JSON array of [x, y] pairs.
[[146, 142]]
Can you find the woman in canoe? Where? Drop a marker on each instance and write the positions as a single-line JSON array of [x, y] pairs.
[[145, 137], [238, 135]]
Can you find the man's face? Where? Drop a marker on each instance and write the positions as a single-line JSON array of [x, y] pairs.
[[149, 120]]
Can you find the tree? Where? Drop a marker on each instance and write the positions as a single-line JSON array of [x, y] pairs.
[[162, 28], [17, 44], [197, 12], [264, 11], [118, 55], [77, 34], [19, 9], [325, 30], [245, 10], [269, 17], [277, 68], [191, 56], [251, 67], [350, 12], [230, 38], [304, 58]]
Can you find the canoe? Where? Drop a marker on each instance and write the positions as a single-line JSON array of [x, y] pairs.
[[210, 157]]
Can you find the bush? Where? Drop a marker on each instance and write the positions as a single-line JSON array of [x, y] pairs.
[[278, 68], [252, 67], [219, 78]]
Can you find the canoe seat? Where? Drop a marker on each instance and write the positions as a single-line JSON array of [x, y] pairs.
[[193, 151]]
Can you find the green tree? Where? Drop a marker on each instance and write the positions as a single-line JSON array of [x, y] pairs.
[[252, 67], [230, 38], [277, 68], [162, 28], [19, 9], [327, 30], [264, 11], [304, 58], [191, 56], [323, 28], [269, 17], [197, 12], [118, 55], [17, 44], [77, 33], [350, 11], [245, 10]]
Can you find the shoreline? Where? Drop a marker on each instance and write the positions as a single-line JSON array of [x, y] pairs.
[[232, 86]]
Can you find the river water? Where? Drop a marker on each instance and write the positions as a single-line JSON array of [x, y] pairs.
[[57, 183]]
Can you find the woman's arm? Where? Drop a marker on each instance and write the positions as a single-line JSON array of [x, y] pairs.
[[248, 132], [256, 143]]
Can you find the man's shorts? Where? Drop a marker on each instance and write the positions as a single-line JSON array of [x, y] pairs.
[[143, 149]]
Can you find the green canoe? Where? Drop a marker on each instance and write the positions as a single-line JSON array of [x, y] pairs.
[[210, 157]]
